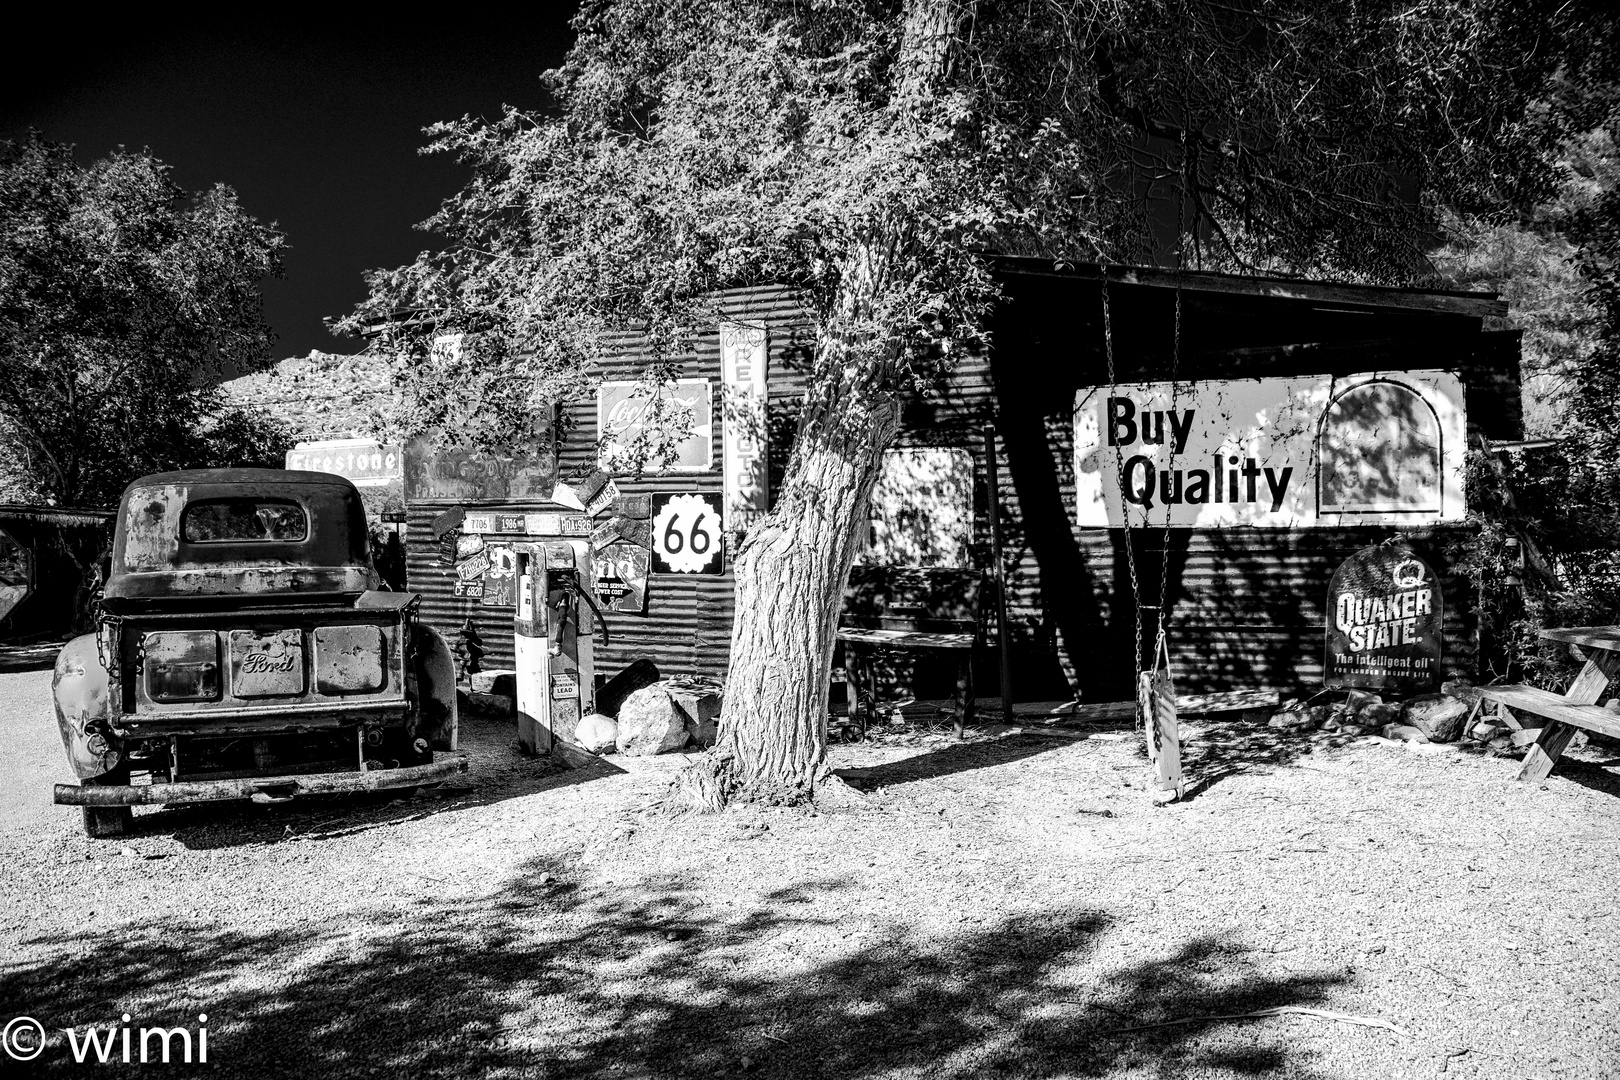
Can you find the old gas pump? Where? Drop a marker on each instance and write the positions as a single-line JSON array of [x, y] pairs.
[[552, 629]]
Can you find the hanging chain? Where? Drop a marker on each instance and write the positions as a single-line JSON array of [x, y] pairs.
[[1161, 647], [1119, 465]]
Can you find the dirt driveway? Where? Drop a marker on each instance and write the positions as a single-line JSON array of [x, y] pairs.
[[1008, 906]]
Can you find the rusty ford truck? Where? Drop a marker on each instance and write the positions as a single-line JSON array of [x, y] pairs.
[[243, 649]]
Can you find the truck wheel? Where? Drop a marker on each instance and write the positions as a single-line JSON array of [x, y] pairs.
[[101, 822]]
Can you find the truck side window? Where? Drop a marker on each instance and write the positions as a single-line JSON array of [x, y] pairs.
[[226, 520]]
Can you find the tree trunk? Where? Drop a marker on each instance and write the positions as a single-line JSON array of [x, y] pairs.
[[790, 583], [791, 572]]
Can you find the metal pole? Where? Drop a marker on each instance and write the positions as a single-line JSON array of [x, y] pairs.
[[999, 571]]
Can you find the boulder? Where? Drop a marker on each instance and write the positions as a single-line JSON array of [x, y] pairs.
[[597, 733], [699, 704], [1377, 714], [502, 682], [1404, 733], [1293, 721], [1439, 716], [1462, 690], [614, 692], [650, 723]]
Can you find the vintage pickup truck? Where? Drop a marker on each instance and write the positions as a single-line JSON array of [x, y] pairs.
[[243, 649]]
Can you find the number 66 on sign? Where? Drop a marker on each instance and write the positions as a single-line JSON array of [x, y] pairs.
[[687, 534]]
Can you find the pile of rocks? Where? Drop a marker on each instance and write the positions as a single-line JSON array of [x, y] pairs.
[[667, 716], [1425, 718]]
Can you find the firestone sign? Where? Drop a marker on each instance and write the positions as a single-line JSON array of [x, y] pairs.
[[1379, 448], [1384, 620]]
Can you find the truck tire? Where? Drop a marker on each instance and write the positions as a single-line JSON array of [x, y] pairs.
[[103, 822]]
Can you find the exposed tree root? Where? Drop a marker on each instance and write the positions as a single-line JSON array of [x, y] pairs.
[[703, 786], [709, 783]]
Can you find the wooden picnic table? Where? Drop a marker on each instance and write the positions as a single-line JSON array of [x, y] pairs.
[[1579, 707]]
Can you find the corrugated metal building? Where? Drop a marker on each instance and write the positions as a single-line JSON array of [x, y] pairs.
[[48, 562], [1246, 606]]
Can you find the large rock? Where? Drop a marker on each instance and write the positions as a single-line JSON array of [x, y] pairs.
[[611, 697], [597, 733], [502, 681], [1439, 716], [1299, 718], [1377, 714], [650, 723], [1404, 733], [1462, 690], [700, 706]]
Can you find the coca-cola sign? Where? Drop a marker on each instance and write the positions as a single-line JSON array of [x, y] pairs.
[[670, 430]]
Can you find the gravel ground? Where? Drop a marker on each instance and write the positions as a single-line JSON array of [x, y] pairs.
[[1006, 906]]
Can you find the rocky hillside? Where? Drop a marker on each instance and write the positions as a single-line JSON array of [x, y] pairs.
[[323, 395]]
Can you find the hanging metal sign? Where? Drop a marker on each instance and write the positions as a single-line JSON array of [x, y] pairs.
[[632, 422], [1384, 622], [686, 534], [1379, 448], [743, 356], [621, 577], [438, 472]]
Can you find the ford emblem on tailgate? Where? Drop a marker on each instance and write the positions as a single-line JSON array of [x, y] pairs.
[[267, 663]]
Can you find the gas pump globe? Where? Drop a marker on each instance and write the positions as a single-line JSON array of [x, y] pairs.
[[552, 628]]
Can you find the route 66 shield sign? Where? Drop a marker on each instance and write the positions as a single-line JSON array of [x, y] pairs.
[[687, 534]]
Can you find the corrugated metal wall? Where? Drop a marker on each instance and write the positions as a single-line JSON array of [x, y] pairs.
[[687, 625], [1247, 607]]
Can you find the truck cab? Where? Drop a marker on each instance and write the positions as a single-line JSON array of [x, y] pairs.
[[243, 648]]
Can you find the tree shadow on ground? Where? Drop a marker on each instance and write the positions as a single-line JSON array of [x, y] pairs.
[[547, 977], [497, 770], [1224, 748], [1596, 775], [956, 758]]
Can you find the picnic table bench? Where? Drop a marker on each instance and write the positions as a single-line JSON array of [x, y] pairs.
[[903, 609], [1576, 708]]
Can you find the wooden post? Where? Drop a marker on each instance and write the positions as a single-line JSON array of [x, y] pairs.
[[998, 571]]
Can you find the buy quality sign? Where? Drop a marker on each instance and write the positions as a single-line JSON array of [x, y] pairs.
[[687, 534]]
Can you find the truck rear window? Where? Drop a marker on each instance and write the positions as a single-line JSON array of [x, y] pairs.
[[227, 520]]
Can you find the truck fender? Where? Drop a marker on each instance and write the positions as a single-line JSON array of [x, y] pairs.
[[84, 709], [436, 689]]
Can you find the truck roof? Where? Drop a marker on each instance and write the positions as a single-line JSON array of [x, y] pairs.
[[166, 546]]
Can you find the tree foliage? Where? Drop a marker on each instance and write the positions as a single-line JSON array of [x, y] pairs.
[[1555, 258], [122, 301], [707, 143]]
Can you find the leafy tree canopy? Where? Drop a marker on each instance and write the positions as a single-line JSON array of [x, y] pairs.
[[706, 143], [122, 301]]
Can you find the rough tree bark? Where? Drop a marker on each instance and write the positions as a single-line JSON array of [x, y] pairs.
[[791, 573]]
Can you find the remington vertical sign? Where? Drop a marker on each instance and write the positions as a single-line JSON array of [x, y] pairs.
[[1384, 616], [743, 357]]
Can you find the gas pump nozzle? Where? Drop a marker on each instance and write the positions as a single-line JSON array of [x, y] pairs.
[[572, 584]]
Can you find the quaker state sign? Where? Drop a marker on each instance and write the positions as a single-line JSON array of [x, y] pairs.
[[1384, 615]]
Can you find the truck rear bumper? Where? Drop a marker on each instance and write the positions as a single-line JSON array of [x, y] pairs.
[[195, 791]]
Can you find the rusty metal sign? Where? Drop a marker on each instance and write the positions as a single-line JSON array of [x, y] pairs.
[[1384, 622], [1376, 448], [630, 420], [438, 472]]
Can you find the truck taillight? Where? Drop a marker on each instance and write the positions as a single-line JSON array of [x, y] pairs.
[[350, 659], [182, 665]]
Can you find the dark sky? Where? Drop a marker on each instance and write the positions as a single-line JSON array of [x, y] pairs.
[[318, 132]]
